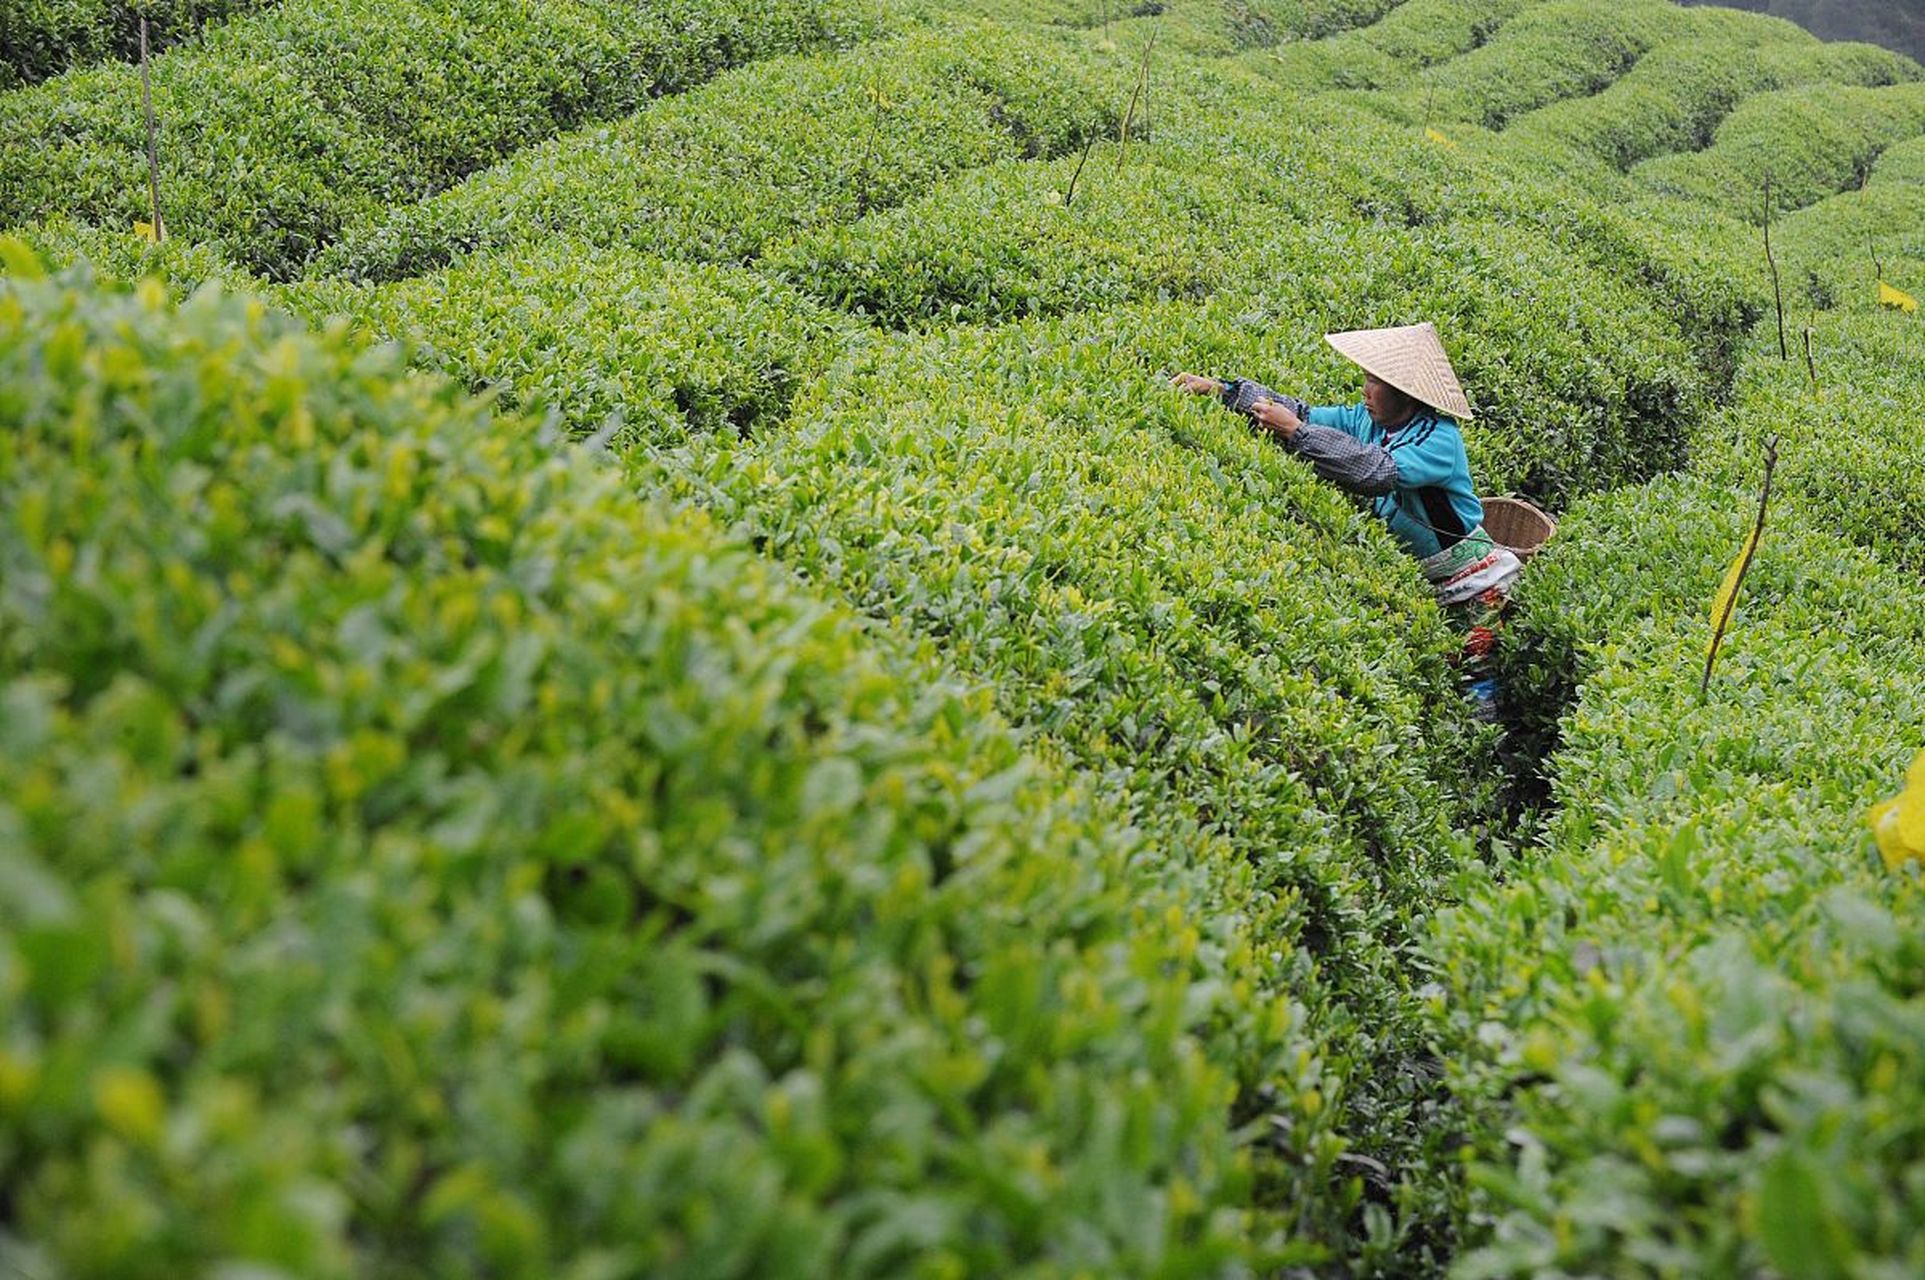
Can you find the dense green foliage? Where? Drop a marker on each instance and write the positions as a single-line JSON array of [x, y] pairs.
[[778, 147], [1846, 410], [1563, 49], [1581, 376], [915, 794], [281, 128], [1691, 1023], [1072, 534], [1415, 34], [1810, 142], [1834, 252], [1422, 32], [423, 856], [183, 265], [1851, 457], [42, 38], [1315, 19], [1139, 670], [643, 347], [1904, 162], [1675, 97], [1711, 1067]]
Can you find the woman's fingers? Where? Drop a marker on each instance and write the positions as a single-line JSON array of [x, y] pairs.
[[1276, 416]]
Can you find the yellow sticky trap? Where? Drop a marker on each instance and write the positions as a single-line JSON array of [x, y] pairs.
[[1898, 825], [1437, 137], [1890, 297], [1722, 602], [145, 230]]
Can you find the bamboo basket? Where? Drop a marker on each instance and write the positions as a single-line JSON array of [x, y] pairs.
[[1516, 524]]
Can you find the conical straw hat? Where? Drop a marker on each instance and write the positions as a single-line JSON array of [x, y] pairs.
[[1411, 359]]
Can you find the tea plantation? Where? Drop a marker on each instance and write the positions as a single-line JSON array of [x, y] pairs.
[[616, 659]]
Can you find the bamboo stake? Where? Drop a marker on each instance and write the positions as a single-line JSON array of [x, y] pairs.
[[153, 149], [1811, 365], [1087, 148], [1744, 567], [1142, 79], [875, 127], [1777, 289]]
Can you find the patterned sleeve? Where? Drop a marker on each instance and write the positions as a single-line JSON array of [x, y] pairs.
[[1244, 395], [1346, 461]]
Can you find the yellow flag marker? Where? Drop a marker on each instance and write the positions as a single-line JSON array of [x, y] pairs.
[[1727, 598], [1899, 824], [1437, 136], [1722, 603], [1890, 297]]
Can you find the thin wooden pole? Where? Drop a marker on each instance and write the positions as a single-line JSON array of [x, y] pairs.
[[1811, 364], [875, 127], [1777, 289], [153, 147], [1087, 148], [1142, 78], [1744, 567]]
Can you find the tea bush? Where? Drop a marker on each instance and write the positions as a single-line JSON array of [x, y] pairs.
[[1238, 657], [1676, 95], [430, 848], [1583, 379], [1902, 162], [124, 254], [1811, 141], [850, 490], [280, 129], [645, 349], [1563, 49], [1831, 254], [776, 148], [422, 855], [1419, 33], [1372, 43], [1000, 243], [1850, 457], [1316, 19], [1204, 28], [1689, 1025], [1063, 13], [46, 37]]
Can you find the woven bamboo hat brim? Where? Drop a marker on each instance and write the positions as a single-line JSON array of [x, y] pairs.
[[1410, 358]]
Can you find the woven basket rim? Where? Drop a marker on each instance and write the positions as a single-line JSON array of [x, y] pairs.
[[1536, 526]]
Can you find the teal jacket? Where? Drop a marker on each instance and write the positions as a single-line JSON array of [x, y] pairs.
[[1417, 475]]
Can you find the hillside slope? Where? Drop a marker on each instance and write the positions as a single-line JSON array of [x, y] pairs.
[[914, 796]]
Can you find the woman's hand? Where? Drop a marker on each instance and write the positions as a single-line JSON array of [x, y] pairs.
[[1196, 384], [1277, 417]]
